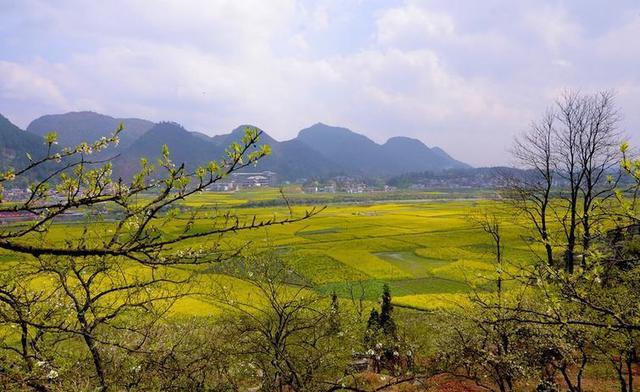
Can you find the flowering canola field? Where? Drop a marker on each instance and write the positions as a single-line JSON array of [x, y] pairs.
[[429, 251]]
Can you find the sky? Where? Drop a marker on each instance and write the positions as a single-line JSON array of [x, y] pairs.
[[463, 75]]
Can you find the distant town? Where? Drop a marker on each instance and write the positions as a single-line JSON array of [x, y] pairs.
[[480, 178]]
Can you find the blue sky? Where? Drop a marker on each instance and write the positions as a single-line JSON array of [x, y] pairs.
[[463, 75]]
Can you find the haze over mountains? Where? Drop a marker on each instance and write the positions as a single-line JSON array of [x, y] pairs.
[[317, 152]]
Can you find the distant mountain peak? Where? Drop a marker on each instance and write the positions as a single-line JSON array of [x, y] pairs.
[[405, 140], [321, 124], [6, 124], [81, 112], [164, 126], [5, 121], [87, 126], [359, 153], [238, 132], [321, 133]]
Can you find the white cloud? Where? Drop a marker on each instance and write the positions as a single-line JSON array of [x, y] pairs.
[[553, 24], [411, 25], [23, 83], [425, 70]]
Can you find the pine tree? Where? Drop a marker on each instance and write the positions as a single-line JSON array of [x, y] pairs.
[[334, 322], [373, 328], [374, 319], [386, 318]]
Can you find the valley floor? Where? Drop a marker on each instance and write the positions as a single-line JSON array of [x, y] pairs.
[[428, 251]]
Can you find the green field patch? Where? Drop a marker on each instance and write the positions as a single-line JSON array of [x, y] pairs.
[[10, 257], [431, 285], [410, 262], [487, 251], [329, 230], [372, 289], [371, 245], [318, 268], [473, 271], [445, 253], [369, 264]]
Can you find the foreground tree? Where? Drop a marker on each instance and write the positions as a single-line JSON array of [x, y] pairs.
[[588, 143], [531, 195], [590, 315], [107, 282], [382, 342], [573, 148], [482, 343], [293, 338]]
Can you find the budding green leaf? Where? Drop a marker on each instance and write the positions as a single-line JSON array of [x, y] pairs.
[[624, 147], [51, 138]]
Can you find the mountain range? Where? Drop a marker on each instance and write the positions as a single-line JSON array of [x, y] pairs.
[[319, 151]]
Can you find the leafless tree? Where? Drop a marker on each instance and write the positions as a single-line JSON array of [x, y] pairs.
[[599, 159], [531, 194], [491, 225], [587, 141], [572, 113], [570, 156]]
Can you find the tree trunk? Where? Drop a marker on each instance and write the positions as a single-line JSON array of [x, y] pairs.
[[586, 228], [97, 361], [583, 364], [543, 226], [569, 257], [630, 375], [95, 354], [623, 382]]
